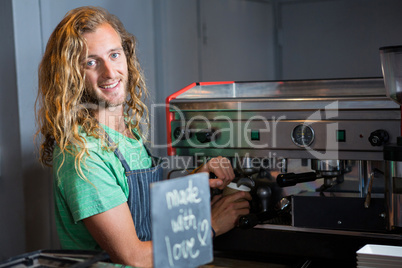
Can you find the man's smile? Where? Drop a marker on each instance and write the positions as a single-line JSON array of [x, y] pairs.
[[108, 86]]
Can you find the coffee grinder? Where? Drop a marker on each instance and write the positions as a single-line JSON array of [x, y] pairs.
[[391, 62]]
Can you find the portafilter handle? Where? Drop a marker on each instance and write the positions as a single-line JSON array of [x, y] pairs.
[[249, 221], [291, 179]]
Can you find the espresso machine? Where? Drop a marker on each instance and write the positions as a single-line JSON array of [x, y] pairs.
[[314, 153]]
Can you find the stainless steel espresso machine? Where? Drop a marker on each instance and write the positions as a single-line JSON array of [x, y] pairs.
[[311, 151]]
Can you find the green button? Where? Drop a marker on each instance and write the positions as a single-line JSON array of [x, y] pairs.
[[255, 135], [340, 136]]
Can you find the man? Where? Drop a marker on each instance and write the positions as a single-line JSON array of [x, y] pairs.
[[89, 116]]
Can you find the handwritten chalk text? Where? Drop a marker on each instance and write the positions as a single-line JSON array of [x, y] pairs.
[[184, 221], [181, 250], [176, 198]]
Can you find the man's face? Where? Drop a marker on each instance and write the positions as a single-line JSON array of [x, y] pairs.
[[105, 67]]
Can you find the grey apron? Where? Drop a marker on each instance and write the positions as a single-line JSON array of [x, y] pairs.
[[139, 192]]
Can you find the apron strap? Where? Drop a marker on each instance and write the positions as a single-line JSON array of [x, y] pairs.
[[118, 153], [155, 160], [139, 196]]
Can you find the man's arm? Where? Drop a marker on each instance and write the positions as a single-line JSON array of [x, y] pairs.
[[114, 231]]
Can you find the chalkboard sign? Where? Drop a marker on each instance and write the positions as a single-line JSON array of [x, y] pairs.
[[181, 221]]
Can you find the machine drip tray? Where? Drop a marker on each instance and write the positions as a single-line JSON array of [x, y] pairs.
[[338, 211]]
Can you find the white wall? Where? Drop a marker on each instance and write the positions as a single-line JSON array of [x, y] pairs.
[[338, 38], [39, 231], [12, 210], [237, 40]]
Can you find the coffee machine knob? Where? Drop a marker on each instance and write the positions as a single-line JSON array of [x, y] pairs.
[[378, 137], [206, 136], [264, 194], [181, 133]]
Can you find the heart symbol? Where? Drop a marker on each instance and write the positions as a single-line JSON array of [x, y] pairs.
[[203, 227]]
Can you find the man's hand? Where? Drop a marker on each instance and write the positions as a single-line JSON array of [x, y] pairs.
[[223, 170], [225, 211]]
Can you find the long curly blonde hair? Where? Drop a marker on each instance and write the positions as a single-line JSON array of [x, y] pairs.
[[60, 106]]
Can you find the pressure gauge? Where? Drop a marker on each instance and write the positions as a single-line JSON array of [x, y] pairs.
[[303, 135]]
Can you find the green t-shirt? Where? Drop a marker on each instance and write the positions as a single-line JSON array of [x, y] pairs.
[[77, 199]]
